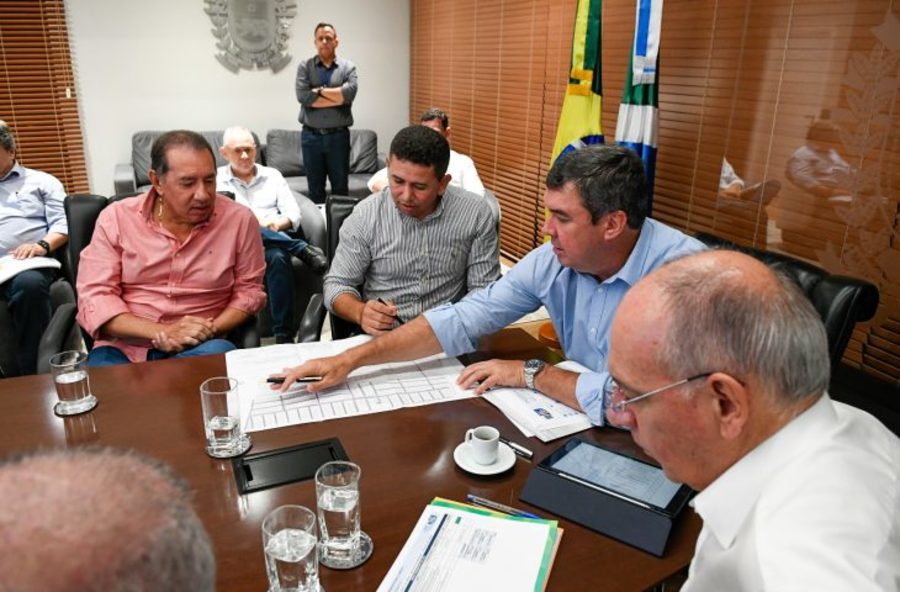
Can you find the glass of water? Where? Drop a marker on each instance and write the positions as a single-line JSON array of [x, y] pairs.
[[289, 544], [342, 544], [73, 385], [222, 418]]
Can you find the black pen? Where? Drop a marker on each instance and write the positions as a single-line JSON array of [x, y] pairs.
[[517, 448], [399, 320], [280, 379]]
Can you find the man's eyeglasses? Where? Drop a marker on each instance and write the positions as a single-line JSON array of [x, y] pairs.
[[613, 389]]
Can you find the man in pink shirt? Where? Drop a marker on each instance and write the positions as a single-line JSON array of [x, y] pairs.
[[170, 272]]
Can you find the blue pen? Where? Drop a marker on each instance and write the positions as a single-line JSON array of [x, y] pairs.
[[490, 504]]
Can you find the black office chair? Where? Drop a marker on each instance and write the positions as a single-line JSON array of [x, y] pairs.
[[306, 283], [82, 212], [841, 301], [337, 209]]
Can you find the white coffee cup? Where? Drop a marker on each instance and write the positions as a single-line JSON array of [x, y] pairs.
[[483, 442]]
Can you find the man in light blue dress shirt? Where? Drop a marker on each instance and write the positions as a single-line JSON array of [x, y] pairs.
[[601, 244], [32, 224]]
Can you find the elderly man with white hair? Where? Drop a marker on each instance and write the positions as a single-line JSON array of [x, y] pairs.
[[265, 191], [719, 368]]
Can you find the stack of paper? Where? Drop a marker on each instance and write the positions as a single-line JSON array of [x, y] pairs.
[[10, 266], [457, 547], [539, 415]]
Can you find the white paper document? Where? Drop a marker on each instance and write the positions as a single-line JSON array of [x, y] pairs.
[[11, 267], [536, 414], [369, 389], [455, 550]]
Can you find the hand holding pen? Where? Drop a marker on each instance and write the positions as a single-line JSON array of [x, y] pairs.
[[317, 375], [377, 316]]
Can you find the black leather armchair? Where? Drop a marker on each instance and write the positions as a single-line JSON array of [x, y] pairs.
[[132, 177], [306, 283], [841, 301], [337, 208], [82, 212]]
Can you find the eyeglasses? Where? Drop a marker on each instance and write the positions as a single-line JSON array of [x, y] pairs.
[[613, 388]]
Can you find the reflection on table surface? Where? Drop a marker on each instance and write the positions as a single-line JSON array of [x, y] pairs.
[[406, 458]]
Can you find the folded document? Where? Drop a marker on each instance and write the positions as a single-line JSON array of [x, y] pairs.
[[536, 414], [455, 547]]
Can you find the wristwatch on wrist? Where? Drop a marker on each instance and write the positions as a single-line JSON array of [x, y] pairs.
[[44, 245], [532, 367]]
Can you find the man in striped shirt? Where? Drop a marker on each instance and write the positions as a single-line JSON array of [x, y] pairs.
[[416, 244]]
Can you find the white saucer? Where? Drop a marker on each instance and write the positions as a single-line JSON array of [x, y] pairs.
[[506, 458]]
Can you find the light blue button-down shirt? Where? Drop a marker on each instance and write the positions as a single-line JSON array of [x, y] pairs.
[[580, 306], [31, 205]]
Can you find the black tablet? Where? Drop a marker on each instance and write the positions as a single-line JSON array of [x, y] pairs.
[[617, 474]]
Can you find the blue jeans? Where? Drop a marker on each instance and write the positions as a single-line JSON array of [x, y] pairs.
[[280, 278], [28, 295], [108, 355], [327, 154], [281, 240]]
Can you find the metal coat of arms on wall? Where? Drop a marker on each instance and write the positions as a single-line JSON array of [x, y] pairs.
[[252, 33]]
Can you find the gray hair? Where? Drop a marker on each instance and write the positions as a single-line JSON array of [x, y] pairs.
[[234, 132], [608, 178], [720, 322], [98, 519], [7, 139]]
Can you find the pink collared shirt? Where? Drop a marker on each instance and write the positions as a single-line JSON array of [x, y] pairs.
[[134, 265]]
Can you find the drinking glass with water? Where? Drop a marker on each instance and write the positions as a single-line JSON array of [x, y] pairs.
[[289, 544], [222, 418], [342, 544], [73, 385]]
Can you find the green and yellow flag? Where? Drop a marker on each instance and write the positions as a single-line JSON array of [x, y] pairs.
[[579, 120]]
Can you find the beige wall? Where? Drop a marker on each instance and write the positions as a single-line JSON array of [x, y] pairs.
[[151, 65]]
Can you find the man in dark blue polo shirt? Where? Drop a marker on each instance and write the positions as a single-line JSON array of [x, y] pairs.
[[326, 86]]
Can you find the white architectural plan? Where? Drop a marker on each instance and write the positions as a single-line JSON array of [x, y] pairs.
[[368, 390]]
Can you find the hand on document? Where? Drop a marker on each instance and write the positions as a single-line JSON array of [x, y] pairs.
[[487, 375], [333, 370]]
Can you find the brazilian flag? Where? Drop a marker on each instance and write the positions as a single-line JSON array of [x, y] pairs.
[[579, 120]]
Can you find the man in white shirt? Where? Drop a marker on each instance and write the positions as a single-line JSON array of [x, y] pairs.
[[719, 368], [265, 191], [461, 168]]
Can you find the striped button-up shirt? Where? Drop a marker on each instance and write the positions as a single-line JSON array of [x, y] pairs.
[[416, 264]]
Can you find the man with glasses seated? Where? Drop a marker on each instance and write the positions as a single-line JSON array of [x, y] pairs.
[[601, 243], [264, 190], [720, 369]]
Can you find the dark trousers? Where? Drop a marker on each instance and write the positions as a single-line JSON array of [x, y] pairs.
[[28, 295], [280, 278], [326, 155]]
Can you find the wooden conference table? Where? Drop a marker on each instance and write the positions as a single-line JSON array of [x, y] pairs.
[[406, 458]]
